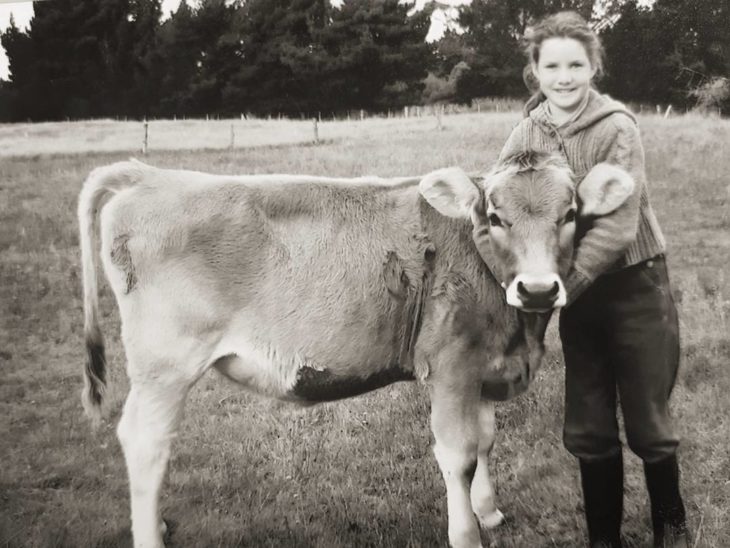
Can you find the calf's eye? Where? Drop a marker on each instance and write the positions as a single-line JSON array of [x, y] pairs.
[[494, 220], [569, 217]]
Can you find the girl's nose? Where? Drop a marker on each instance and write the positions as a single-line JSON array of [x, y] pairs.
[[564, 77]]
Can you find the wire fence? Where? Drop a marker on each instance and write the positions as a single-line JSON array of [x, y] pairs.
[[244, 130]]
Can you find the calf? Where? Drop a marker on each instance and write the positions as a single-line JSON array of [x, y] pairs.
[[312, 288]]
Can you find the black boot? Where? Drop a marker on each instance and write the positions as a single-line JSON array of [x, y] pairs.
[[603, 495], [667, 509]]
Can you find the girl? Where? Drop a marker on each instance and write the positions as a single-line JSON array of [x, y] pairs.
[[619, 330]]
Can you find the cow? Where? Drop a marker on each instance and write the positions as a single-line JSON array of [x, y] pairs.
[[311, 289]]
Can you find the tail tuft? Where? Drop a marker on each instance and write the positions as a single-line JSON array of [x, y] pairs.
[[92, 395]]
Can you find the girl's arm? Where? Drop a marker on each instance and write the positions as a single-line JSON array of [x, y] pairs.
[[609, 236]]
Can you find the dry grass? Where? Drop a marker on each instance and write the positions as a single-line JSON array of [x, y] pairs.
[[250, 472]]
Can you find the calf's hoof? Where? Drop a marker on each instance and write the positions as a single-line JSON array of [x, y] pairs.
[[490, 521]]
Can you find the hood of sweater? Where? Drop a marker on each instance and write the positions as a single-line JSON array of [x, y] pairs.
[[598, 107]]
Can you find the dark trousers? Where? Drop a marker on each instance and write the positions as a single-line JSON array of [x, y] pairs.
[[621, 335]]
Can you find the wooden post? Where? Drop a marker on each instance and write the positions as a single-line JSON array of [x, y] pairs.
[[146, 133], [362, 115], [233, 138], [439, 113], [669, 109], [316, 132]]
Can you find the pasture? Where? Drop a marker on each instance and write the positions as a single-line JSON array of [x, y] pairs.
[[252, 472]]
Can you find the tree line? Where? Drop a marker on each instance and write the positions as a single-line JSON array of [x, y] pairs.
[[97, 58]]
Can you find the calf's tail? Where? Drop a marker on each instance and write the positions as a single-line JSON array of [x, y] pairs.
[[100, 184]]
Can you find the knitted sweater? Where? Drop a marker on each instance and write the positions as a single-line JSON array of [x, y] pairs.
[[605, 131]]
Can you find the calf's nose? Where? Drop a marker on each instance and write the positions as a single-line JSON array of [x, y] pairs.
[[536, 293]]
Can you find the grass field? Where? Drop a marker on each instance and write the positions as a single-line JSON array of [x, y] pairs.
[[251, 472]]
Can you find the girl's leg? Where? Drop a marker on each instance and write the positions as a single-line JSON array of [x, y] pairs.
[[646, 344]]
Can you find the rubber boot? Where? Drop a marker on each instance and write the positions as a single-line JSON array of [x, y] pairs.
[[668, 517], [603, 496]]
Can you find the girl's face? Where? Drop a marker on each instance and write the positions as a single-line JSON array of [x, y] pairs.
[[564, 72]]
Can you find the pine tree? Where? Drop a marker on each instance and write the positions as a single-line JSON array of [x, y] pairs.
[[83, 58], [674, 48], [16, 100], [179, 54]]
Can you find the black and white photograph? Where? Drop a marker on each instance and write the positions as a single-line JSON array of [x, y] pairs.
[[365, 273]]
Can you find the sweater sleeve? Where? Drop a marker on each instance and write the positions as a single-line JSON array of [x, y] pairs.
[[610, 235]]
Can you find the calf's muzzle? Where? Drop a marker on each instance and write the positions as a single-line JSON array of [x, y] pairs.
[[536, 293]]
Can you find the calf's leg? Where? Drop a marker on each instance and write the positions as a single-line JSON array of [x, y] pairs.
[[454, 425], [150, 419], [482, 492]]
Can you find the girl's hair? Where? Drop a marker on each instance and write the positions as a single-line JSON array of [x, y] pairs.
[[564, 24]]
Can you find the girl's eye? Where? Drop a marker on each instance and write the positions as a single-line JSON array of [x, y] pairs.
[[569, 217], [494, 220]]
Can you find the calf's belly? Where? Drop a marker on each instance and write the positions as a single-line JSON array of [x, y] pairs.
[[303, 383]]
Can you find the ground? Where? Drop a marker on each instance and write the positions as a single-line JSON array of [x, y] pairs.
[[251, 472]]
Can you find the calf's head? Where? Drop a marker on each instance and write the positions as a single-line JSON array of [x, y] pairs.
[[524, 215]]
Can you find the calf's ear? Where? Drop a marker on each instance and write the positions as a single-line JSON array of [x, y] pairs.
[[604, 189], [450, 191]]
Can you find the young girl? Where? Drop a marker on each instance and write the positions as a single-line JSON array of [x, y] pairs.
[[619, 330]]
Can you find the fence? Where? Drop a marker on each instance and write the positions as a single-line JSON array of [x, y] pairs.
[[437, 112]]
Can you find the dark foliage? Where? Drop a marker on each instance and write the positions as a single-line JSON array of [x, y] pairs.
[[663, 54], [93, 58]]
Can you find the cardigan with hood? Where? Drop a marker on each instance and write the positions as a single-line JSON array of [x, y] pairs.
[[604, 131]]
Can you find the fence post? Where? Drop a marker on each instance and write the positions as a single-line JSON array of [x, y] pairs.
[[669, 109], [316, 132], [362, 115], [144, 143], [233, 138], [439, 113]]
